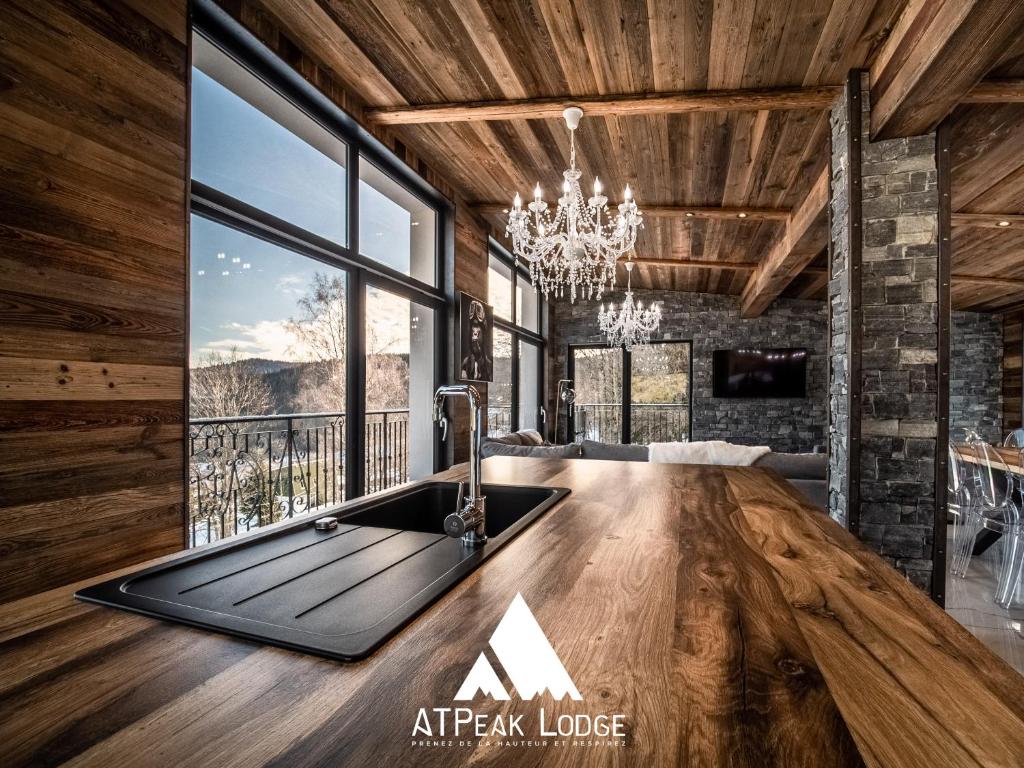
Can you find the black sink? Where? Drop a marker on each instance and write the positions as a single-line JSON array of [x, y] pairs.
[[338, 593]]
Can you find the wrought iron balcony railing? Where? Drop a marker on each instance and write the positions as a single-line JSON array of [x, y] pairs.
[[649, 422], [248, 471]]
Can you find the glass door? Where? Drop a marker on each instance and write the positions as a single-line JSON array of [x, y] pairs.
[[660, 393], [598, 381]]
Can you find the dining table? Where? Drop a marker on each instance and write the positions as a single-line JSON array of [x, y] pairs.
[[1010, 457]]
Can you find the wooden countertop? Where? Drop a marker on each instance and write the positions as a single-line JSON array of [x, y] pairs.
[[730, 623]]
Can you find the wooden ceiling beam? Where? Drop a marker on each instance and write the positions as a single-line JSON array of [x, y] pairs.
[[935, 56], [796, 247], [1009, 282], [676, 211], [1004, 282], [725, 100], [1007, 221], [1005, 91]]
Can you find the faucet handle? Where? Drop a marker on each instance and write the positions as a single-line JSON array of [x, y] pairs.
[[443, 421]]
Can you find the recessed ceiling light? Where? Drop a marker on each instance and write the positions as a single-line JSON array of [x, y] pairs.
[[741, 215], [1003, 223], [689, 214]]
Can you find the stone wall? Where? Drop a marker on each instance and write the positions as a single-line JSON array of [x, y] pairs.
[[713, 322], [839, 322], [898, 331], [976, 374]]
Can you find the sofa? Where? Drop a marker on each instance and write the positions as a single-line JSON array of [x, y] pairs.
[[807, 472]]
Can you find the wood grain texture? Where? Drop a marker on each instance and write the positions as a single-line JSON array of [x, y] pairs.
[[430, 52], [1005, 459], [93, 269], [797, 246], [729, 622], [937, 52], [734, 100]]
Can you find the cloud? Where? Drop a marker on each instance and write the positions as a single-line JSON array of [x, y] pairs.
[[292, 285], [269, 339]]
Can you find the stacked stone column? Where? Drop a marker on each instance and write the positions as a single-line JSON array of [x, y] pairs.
[[884, 321]]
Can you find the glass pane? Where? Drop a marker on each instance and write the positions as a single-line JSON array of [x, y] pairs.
[[267, 341], [253, 144], [399, 390], [660, 411], [529, 385], [396, 228], [598, 384], [527, 305], [499, 391], [499, 288]]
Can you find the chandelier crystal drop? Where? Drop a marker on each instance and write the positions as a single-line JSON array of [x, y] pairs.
[[575, 249], [631, 325]]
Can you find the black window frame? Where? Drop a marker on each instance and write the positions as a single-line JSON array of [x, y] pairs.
[[218, 28], [627, 386], [519, 333]]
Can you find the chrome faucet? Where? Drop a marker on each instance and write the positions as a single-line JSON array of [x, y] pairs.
[[467, 521]]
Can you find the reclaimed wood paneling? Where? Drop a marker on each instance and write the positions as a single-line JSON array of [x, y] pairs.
[[418, 52], [93, 272], [93, 299]]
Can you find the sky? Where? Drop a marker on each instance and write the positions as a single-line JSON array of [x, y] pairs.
[[244, 290]]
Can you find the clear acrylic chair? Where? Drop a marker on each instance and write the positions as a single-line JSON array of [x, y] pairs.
[[1011, 568], [1015, 439], [993, 507], [958, 492]]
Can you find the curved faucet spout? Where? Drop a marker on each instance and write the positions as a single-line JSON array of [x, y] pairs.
[[468, 520]]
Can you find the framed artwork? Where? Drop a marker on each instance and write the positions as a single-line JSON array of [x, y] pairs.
[[475, 358]]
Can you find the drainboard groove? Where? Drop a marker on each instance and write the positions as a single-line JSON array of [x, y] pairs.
[[270, 559], [373, 575], [314, 570]]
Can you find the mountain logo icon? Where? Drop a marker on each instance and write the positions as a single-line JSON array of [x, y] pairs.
[[526, 656]]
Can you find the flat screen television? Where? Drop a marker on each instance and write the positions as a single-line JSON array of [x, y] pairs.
[[760, 372]]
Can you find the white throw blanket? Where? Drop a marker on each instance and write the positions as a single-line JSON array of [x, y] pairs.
[[706, 452]]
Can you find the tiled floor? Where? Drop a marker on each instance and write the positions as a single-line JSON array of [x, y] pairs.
[[969, 601]]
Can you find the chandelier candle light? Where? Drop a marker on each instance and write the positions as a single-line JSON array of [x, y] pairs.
[[577, 247], [632, 325]]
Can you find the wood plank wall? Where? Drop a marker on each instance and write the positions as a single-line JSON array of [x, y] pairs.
[[93, 280], [92, 287], [1013, 375]]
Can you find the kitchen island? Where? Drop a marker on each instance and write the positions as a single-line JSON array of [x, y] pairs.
[[721, 618]]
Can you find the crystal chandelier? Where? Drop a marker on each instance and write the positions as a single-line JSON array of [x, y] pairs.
[[631, 325], [577, 247]]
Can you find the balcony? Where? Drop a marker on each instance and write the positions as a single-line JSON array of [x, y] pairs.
[[649, 422], [248, 471]]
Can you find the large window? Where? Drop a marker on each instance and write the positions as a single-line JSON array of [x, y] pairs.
[[515, 397], [315, 297], [642, 396]]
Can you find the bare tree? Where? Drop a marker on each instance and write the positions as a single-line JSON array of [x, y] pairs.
[[227, 386], [387, 373], [320, 332]]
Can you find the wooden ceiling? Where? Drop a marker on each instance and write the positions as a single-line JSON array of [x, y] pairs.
[[397, 53], [987, 146]]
